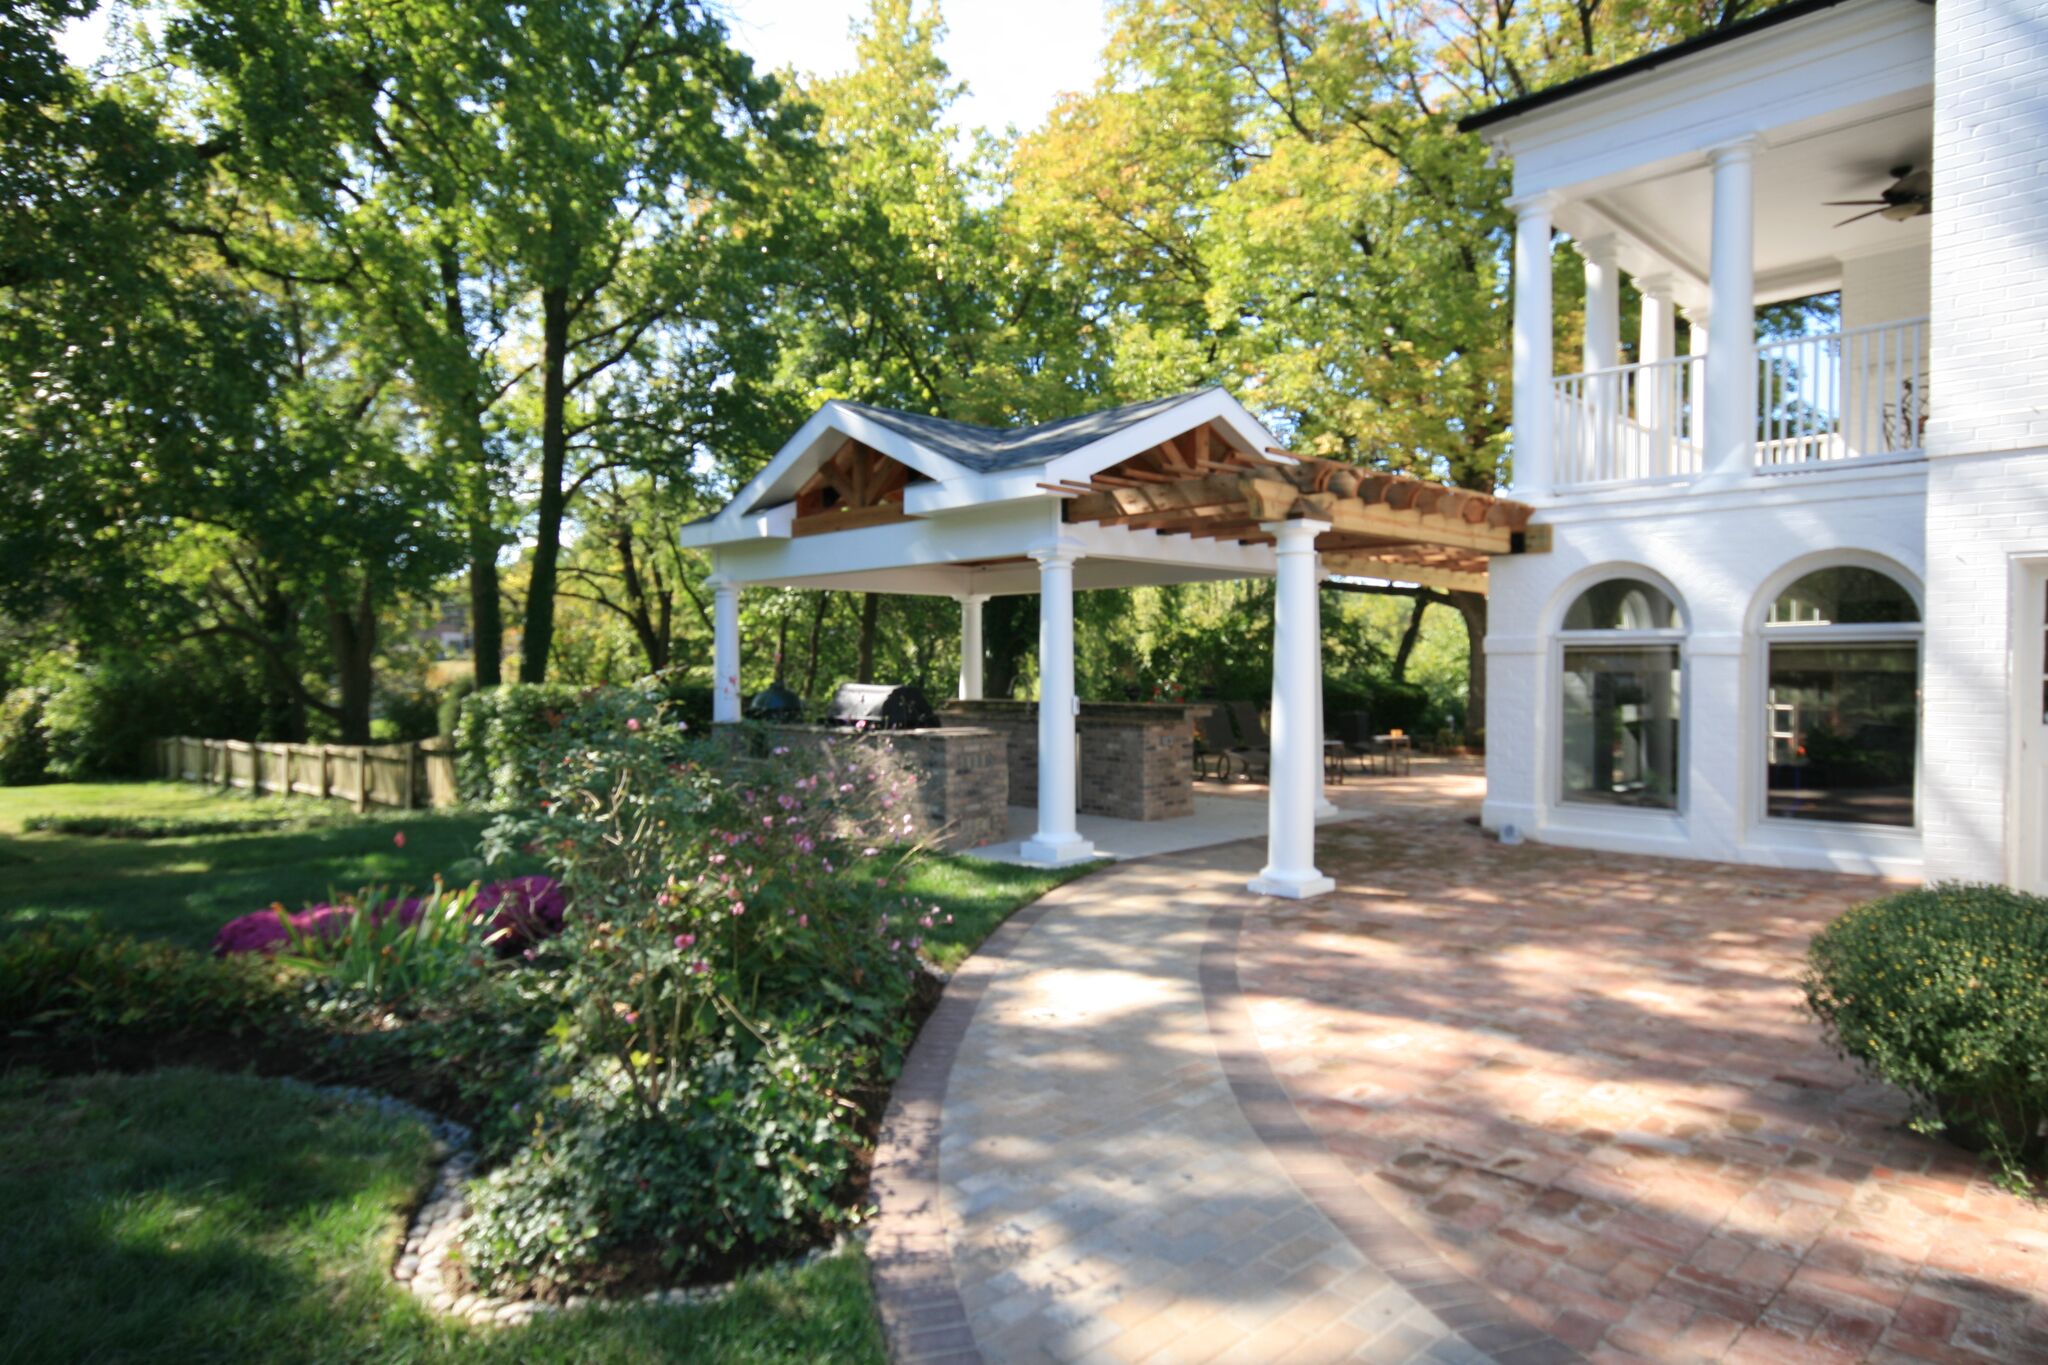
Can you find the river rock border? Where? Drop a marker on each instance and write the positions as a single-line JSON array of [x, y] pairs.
[[426, 1263]]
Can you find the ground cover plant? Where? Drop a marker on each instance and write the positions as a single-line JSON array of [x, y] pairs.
[[186, 1215], [1943, 992]]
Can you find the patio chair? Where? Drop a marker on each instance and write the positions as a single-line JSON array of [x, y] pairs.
[[1254, 747], [1214, 746], [1354, 728]]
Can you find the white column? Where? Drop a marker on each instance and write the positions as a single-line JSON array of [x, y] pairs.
[[1297, 749], [1324, 805], [725, 649], [1658, 391], [970, 646], [1602, 349], [1534, 464], [1057, 840], [1731, 357], [1699, 318]]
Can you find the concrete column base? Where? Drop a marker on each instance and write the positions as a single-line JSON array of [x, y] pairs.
[[1045, 850], [1294, 886]]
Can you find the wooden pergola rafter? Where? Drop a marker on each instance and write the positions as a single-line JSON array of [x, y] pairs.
[[1381, 525]]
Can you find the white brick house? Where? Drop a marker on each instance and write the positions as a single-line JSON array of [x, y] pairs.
[[1796, 606]]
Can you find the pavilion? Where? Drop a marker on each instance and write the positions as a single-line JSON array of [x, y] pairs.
[[1174, 490]]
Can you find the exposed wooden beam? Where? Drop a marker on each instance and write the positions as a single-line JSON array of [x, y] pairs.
[[1429, 576]]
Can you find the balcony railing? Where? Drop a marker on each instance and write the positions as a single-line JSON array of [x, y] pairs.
[[1821, 401], [1854, 395], [1634, 424]]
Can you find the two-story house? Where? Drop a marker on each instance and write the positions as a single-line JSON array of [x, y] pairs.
[[1797, 600]]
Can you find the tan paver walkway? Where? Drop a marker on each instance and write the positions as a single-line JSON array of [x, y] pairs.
[[1484, 1103]]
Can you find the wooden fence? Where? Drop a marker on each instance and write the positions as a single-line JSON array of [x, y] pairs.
[[397, 775]]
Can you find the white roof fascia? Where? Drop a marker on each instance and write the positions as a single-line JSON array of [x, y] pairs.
[[1840, 65], [1214, 405]]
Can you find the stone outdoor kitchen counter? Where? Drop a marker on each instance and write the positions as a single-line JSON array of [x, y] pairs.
[[1136, 759]]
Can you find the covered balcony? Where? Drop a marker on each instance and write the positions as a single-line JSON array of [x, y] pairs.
[[1702, 195]]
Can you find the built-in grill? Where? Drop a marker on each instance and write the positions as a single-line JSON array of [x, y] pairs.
[[777, 701], [881, 706]]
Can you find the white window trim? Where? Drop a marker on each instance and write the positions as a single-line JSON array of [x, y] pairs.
[[1674, 636], [1799, 633]]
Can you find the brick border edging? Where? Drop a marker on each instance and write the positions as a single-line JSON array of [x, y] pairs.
[[923, 1318], [1468, 1308]]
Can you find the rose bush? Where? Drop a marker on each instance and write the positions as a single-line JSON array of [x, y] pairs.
[[736, 983]]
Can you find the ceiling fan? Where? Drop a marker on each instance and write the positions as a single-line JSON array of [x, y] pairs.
[[1910, 194]]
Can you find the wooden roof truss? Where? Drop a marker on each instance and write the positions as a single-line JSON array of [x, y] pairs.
[[1381, 525]]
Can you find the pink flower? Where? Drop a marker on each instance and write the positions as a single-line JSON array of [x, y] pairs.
[[685, 940], [738, 908], [398, 839], [803, 921], [633, 724]]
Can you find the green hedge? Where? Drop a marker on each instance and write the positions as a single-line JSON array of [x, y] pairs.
[[1943, 992], [499, 736], [24, 737]]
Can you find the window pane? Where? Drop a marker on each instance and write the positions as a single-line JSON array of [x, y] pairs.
[[1621, 725], [1843, 720], [1622, 604], [1844, 597]]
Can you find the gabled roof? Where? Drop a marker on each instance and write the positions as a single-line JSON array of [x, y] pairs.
[[1712, 38], [988, 450]]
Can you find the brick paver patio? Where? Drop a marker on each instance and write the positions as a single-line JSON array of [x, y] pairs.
[[1515, 1103]]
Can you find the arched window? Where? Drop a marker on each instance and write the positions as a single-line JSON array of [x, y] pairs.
[[1842, 706], [1621, 690]]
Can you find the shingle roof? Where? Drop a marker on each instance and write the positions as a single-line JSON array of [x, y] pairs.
[[1743, 28], [987, 450]]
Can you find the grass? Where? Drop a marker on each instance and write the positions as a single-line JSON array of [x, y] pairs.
[[979, 895], [190, 1216], [185, 888]]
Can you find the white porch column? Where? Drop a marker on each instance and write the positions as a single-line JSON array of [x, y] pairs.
[[970, 646], [1324, 805], [1731, 357], [1602, 350], [1657, 391], [1535, 467], [1297, 748], [725, 649], [1057, 841]]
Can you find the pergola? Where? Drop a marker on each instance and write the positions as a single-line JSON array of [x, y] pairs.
[[1184, 489]]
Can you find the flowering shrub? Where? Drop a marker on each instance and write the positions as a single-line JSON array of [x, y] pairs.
[[1943, 992], [736, 979], [499, 735], [519, 911]]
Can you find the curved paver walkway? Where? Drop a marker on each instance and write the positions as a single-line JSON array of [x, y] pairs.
[[1517, 1103], [1087, 1160]]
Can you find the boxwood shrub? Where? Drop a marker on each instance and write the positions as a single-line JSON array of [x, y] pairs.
[[499, 736], [1943, 992]]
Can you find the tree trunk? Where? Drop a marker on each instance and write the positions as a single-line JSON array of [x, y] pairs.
[[1472, 606], [554, 450], [1009, 629], [651, 631], [870, 611], [817, 629], [1409, 637], [353, 635], [284, 701], [486, 615]]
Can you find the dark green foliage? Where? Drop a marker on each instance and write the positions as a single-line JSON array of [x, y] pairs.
[[499, 737], [81, 983], [178, 827], [448, 710], [1943, 992], [24, 737], [748, 1150]]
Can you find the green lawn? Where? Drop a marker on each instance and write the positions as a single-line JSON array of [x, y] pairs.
[[190, 1216], [979, 895], [185, 889]]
